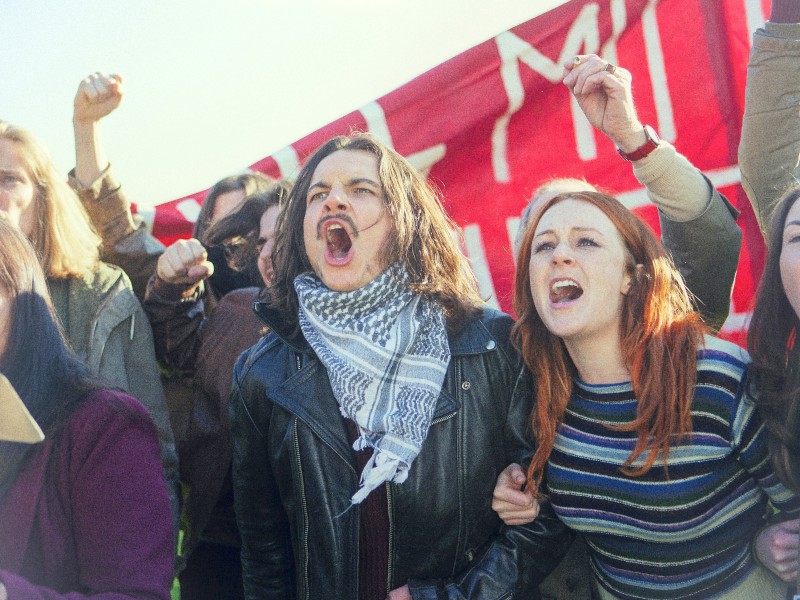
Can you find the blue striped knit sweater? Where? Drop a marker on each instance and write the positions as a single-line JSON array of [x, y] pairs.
[[683, 536]]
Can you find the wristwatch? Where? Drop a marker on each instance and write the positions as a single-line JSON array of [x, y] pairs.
[[651, 143]]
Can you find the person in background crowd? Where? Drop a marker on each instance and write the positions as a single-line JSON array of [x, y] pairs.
[[207, 347], [126, 241], [649, 443], [769, 159], [369, 425], [100, 315], [775, 370], [85, 514]]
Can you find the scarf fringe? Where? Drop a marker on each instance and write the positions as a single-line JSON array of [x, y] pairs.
[[380, 468]]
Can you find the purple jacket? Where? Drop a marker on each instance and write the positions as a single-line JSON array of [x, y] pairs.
[[88, 516]]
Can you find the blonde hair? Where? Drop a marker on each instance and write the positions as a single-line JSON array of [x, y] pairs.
[[63, 237]]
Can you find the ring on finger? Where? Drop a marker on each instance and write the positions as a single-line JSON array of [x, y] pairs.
[[610, 68]]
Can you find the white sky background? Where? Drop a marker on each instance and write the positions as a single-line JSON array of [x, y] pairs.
[[212, 86]]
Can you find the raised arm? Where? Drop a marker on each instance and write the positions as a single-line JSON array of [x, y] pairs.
[[126, 241], [698, 225], [173, 305], [769, 151]]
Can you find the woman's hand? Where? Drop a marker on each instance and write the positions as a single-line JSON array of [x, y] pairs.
[[512, 504], [776, 546]]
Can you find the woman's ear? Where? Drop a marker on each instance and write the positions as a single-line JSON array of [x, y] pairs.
[[632, 277]]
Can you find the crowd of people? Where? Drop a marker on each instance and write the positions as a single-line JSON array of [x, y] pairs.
[[309, 399]]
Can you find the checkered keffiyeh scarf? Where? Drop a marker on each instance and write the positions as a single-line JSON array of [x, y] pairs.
[[386, 352]]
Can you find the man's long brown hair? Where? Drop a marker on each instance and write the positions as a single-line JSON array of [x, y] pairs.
[[660, 333], [772, 343], [421, 236]]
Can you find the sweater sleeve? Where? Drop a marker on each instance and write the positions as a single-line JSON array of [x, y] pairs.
[[110, 472], [698, 228], [127, 242], [769, 151]]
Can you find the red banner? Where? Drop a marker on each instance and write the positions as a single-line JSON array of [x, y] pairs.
[[491, 124]]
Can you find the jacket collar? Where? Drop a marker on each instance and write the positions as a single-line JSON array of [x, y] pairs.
[[311, 381], [271, 318]]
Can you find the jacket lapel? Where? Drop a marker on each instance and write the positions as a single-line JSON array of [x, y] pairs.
[[308, 395]]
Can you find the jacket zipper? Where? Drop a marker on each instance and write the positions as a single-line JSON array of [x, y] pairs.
[[390, 567], [304, 507], [443, 418], [303, 503]]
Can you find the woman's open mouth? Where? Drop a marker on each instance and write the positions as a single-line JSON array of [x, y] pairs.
[[565, 290]]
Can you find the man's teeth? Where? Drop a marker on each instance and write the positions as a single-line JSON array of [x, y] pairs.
[[330, 229]]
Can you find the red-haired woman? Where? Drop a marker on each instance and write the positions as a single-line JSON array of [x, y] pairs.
[[647, 442]]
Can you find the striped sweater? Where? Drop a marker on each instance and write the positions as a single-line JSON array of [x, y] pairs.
[[685, 535]]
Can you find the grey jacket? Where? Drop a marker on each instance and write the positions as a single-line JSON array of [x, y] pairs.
[[769, 151], [106, 326]]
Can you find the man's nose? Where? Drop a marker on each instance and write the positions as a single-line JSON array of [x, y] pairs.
[[336, 200]]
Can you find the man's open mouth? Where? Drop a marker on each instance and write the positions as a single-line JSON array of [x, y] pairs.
[[338, 241]]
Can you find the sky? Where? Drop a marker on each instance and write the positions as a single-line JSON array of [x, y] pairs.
[[213, 86]]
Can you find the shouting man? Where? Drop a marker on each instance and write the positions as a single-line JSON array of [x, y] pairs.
[[370, 426]]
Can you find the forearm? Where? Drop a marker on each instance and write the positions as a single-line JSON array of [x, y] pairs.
[[176, 314], [769, 151], [706, 252], [513, 565], [674, 185], [126, 241], [90, 156]]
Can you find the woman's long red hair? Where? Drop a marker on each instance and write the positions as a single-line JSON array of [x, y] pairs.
[[661, 332]]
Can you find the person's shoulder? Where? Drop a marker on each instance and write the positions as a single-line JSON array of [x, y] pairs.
[[239, 301], [109, 403], [100, 283], [719, 352], [498, 324], [261, 355], [493, 318], [489, 330], [103, 416]]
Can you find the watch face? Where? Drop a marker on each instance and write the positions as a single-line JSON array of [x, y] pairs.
[[651, 143], [651, 134]]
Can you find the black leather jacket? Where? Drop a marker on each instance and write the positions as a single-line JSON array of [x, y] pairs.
[[294, 473]]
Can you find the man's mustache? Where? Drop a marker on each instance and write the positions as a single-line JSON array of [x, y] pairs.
[[347, 219]]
